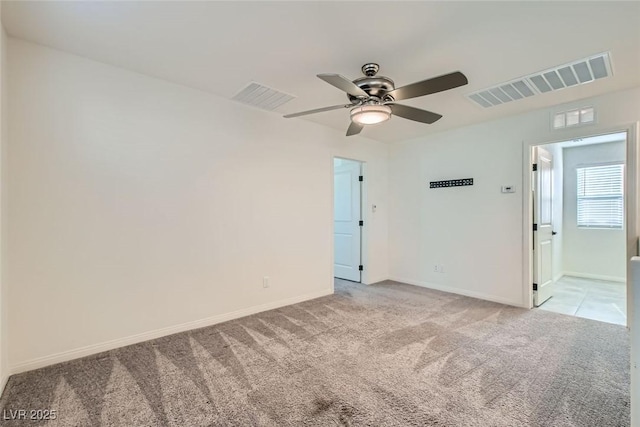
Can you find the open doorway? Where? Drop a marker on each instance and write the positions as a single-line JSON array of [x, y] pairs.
[[347, 219], [579, 249]]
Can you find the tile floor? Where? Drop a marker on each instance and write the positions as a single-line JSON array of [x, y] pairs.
[[592, 299]]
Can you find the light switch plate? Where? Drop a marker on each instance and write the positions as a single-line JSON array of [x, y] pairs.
[[508, 188]]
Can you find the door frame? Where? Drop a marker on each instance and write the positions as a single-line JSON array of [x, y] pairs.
[[364, 230], [631, 184]]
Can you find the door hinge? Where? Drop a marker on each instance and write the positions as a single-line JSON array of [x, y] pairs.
[[360, 268], [360, 223], [535, 286], [360, 178], [535, 227], [535, 167]]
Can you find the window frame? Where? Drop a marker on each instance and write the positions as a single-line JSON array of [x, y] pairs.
[[613, 196]]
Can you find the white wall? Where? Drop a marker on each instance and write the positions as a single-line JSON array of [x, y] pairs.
[[137, 205], [593, 253], [476, 232], [4, 368]]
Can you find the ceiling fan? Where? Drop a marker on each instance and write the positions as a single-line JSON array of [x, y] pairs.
[[373, 98]]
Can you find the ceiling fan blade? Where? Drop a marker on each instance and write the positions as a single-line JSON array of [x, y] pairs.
[[429, 86], [354, 129], [343, 84], [414, 114], [318, 110]]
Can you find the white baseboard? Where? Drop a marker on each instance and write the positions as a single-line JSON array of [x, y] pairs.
[[459, 291], [595, 276], [65, 356]]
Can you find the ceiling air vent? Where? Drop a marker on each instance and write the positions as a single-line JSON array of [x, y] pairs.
[[261, 96], [566, 75]]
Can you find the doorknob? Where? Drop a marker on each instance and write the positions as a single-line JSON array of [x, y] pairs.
[[553, 233]]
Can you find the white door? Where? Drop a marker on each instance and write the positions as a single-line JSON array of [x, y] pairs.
[[346, 217], [542, 227]]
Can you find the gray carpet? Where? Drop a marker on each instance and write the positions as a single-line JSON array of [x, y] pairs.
[[382, 355]]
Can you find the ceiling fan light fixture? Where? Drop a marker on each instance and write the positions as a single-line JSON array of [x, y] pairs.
[[372, 99], [370, 114]]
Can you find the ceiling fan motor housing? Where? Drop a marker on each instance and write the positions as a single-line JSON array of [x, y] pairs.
[[375, 86]]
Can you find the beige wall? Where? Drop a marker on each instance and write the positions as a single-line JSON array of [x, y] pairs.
[[139, 207]]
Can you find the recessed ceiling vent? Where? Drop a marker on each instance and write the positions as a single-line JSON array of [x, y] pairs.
[[575, 73], [261, 96]]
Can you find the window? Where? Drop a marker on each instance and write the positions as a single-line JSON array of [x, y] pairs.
[[600, 196], [574, 117]]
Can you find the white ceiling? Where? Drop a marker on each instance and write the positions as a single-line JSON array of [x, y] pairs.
[[221, 46]]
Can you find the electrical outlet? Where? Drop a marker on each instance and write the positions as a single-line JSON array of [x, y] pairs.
[[436, 268], [265, 282]]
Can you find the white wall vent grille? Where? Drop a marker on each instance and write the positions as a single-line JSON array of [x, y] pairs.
[[261, 96], [577, 72]]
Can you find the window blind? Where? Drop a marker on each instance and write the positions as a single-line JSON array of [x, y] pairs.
[[600, 196]]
